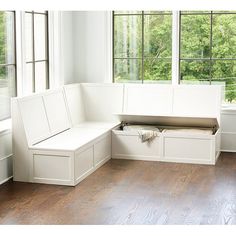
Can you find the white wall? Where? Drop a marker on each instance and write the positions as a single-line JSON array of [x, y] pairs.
[[92, 46], [67, 47], [228, 130]]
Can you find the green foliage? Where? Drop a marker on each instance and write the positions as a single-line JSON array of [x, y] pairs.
[[195, 44], [2, 45]]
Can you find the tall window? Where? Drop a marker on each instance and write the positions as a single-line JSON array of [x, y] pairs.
[[7, 62], [36, 48], [142, 46], [208, 49]]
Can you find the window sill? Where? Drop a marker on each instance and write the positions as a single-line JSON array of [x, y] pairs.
[[5, 125]]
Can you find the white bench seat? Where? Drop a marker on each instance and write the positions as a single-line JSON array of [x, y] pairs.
[[76, 137], [98, 125]]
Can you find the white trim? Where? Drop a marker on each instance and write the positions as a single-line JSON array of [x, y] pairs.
[[5, 180], [175, 47], [108, 47], [228, 132], [54, 44], [5, 126], [19, 54], [227, 150], [6, 157]]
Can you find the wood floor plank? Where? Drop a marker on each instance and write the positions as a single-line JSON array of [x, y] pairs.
[[130, 192]]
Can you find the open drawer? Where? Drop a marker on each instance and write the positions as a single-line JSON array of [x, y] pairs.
[[193, 145], [128, 145]]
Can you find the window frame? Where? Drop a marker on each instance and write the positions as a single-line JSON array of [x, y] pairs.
[[34, 61], [210, 59], [15, 60], [143, 57], [176, 46]]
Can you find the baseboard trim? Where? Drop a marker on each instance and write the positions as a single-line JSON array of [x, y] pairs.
[[226, 150], [5, 180]]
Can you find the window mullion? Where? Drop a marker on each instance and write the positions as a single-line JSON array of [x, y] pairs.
[[142, 46], [33, 45], [175, 47], [211, 31]]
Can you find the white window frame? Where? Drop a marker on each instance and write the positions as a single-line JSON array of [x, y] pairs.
[[54, 47]]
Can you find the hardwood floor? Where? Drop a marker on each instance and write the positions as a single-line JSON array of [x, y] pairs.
[[130, 192]]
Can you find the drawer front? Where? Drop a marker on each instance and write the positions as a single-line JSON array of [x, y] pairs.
[[131, 145], [102, 150], [83, 162], [189, 149], [50, 167]]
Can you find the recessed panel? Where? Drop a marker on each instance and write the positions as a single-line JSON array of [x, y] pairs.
[[187, 148], [75, 103], [83, 162], [148, 99], [200, 101], [34, 119], [56, 111], [102, 150], [102, 101], [51, 167]]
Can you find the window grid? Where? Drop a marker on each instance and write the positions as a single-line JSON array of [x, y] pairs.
[[210, 59], [34, 61], [143, 57], [13, 64]]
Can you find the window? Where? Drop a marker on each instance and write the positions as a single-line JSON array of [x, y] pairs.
[[208, 49], [142, 46], [36, 51], [7, 62]]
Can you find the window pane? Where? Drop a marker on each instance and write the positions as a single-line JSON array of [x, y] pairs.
[[40, 76], [7, 90], [127, 36], [29, 36], [40, 36], [28, 79], [157, 36], [195, 36], [7, 43], [195, 72], [224, 36], [157, 71], [224, 72], [127, 70]]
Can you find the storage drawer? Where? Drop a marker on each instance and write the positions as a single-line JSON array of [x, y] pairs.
[[129, 146], [51, 168], [187, 149], [102, 150], [83, 163]]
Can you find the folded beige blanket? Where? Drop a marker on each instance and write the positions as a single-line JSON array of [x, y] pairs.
[[147, 135], [145, 132]]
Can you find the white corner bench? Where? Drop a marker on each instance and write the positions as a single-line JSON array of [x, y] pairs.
[[57, 139], [62, 135]]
